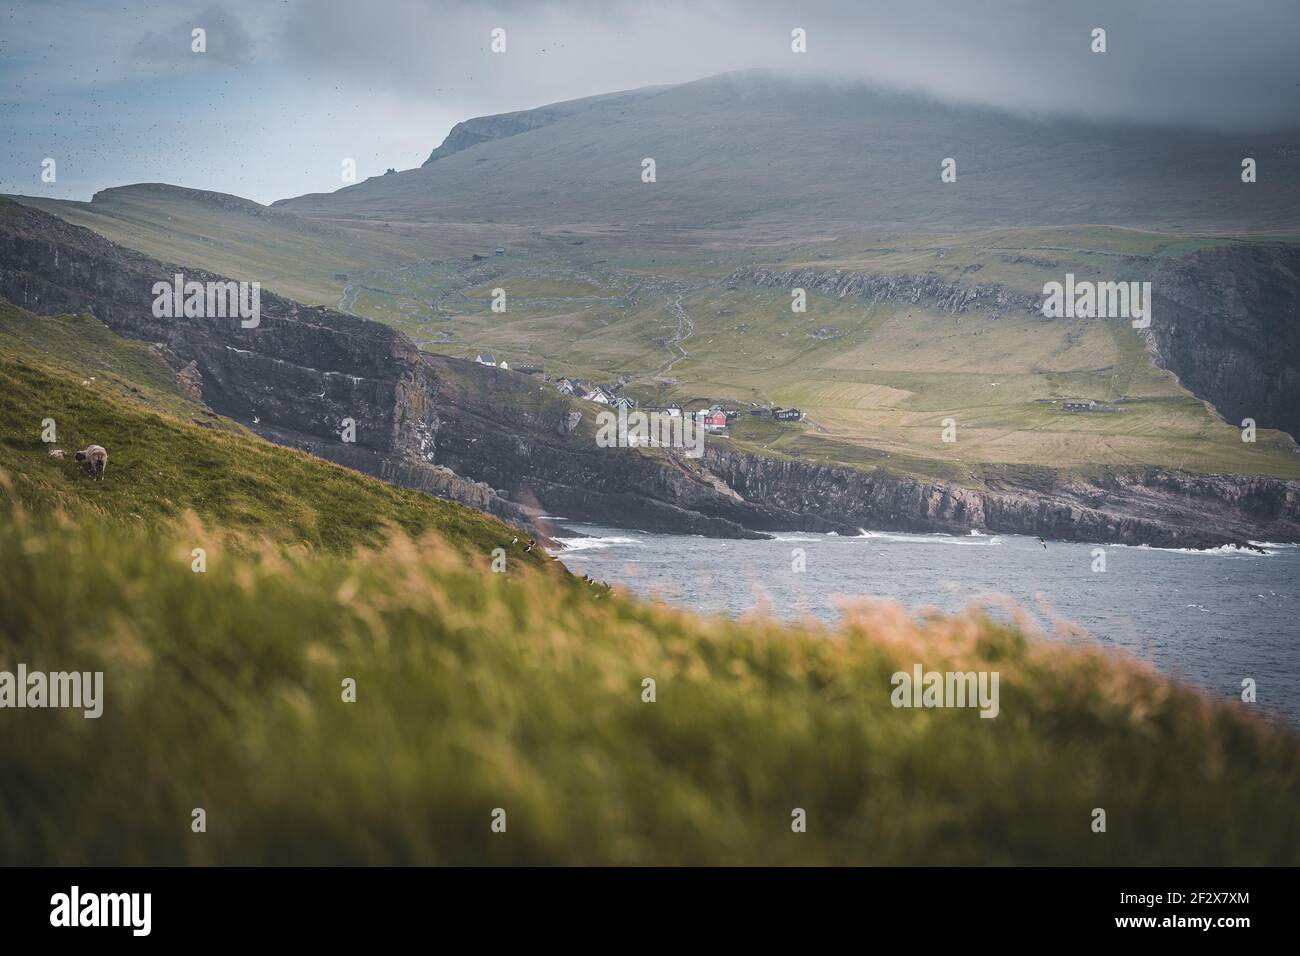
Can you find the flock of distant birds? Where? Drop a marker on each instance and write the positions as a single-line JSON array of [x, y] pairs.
[[586, 577]]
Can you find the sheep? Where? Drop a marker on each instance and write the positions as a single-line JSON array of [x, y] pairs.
[[95, 459], [57, 453]]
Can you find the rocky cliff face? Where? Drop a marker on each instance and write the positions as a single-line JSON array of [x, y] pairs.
[[298, 378], [1227, 323], [521, 436], [484, 129], [483, 436], [1153, 506], [927, 289], [507, 444]]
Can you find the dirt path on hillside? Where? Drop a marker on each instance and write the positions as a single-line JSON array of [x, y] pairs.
[[348, 299], [685, 329]]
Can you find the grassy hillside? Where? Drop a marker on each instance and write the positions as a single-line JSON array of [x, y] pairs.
[[766, 154], [477, 691], [167, 455], [876, 379], [235, 237], [83, 347]]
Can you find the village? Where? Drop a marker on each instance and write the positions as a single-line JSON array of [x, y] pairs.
[[716, 418], [1087, 405]]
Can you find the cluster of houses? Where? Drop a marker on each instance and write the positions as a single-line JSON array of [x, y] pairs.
[[528, 368], [714, 419], [762, 411], [1086, 405], [600, 394]]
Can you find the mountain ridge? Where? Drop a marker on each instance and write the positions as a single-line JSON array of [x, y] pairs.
[[748, 149], [496, 126]]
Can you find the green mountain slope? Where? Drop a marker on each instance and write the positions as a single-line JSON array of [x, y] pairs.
[[168, 455], [771, 155], [235, 237]]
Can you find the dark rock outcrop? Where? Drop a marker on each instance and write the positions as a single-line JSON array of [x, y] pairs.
[[929, 289], [484, 129], [1151, 506], [297, 378], [1227, 323], [306, 375]]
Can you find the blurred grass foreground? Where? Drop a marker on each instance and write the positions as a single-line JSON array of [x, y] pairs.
[[519, 699]]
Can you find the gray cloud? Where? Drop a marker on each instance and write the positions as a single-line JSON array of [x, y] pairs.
[[1199, 62], [289, 88], [227, 41]]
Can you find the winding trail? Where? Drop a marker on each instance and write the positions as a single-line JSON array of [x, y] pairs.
[[348, 299], [685, 329]]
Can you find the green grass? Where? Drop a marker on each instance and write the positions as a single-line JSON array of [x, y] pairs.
[[478, 691], [83, 347], [162, 464], [1020, 259], [520, 691], [235, 237]]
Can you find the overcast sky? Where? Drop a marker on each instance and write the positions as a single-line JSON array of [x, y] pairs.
[[288, 88]]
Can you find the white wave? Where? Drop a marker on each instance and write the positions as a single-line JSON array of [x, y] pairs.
[[1225, 550], [937, 538], [593, 544]]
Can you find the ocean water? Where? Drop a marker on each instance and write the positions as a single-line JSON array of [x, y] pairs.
[[1211, 618]]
